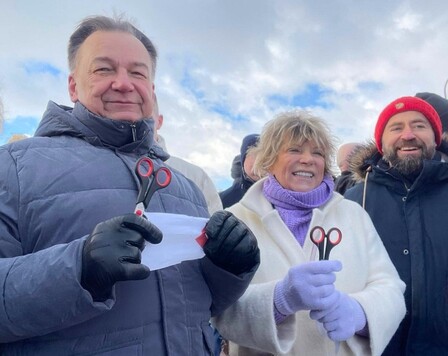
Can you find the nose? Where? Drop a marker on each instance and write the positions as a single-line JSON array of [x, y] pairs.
[[306, 157], [408, 134], [122, 81]]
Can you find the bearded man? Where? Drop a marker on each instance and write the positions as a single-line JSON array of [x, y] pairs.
[[404, 188]]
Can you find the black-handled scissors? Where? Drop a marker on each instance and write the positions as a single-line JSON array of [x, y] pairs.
[[150, 181], [325, 241]]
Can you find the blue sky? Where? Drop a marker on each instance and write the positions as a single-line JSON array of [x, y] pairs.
[[227, 67]]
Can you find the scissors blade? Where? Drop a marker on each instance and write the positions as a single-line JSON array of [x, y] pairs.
[[144, 170], [140, 209]]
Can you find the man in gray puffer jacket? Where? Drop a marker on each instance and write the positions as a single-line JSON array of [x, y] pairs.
[[70, 248]]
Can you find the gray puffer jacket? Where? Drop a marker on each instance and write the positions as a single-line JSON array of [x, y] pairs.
[[54, 189]]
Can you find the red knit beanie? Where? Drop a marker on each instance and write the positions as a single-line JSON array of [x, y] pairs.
[[408, 103]]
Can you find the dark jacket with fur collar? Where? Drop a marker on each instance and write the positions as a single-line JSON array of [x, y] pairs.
[[411, 219]]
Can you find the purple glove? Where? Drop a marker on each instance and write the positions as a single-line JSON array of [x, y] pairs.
[[343, 320], [307, 286]]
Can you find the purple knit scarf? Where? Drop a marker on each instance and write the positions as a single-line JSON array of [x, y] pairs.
[[295, 208]]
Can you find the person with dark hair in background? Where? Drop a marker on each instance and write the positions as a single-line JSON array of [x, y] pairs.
[[439, 103], [244, 181], [72, 281], [345, 179], [236, 170], [403, 185]]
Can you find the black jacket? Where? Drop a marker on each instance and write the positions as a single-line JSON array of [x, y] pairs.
[[411, 219], [239, 187], [344, 182]]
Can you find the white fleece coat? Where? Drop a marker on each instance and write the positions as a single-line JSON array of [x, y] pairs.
[[367, 275]]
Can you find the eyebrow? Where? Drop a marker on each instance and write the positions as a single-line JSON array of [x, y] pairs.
[[111, 61], [417, 120]]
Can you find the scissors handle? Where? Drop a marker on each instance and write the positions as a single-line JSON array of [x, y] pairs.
[[144, 170], [333, 237], [144, 167], [317, 236], [325, 241], [162, 177]]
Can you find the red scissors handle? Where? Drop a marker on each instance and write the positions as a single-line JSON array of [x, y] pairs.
[[162, 177], [144, 167], [325, 241], [144, 170], [334, 237], [150, 181], [317, 235]]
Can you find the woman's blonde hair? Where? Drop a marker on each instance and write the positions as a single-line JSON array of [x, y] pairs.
[[292, 128]]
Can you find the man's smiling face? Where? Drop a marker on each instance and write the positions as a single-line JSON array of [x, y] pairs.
[[112, 76], [407, 140]]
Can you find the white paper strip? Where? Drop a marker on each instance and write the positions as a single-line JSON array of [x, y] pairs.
[[178, 243]]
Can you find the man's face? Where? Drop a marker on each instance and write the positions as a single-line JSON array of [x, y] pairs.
[[407, 140], [113, 77]]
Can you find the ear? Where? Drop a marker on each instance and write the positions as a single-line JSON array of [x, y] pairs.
[[72, 88], [159, 122]]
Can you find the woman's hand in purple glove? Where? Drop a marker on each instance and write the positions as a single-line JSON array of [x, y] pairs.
[[343, 320], [307, 286]]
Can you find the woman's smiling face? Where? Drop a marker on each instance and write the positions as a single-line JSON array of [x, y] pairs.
[[299, 168]]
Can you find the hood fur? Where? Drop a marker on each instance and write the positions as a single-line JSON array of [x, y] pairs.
[[362, 158], [367, 155]]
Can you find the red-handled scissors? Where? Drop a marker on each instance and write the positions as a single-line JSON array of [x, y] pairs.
[[325, 241], [150, 181]]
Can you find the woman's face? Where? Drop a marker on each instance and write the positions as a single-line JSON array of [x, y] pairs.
[[299, 167]]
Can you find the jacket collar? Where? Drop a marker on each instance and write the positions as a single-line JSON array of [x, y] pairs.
[[79, 122]]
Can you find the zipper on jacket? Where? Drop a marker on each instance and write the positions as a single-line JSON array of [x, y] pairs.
[[152, 154], [134, 132]]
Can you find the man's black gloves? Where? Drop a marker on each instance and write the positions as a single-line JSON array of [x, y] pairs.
[[112, 253], [230, 244]]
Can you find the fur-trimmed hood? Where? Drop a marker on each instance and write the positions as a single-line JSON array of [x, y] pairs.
[[362, 158], [366, 155]]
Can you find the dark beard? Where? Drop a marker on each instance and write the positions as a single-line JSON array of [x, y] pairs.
[[410, 165]]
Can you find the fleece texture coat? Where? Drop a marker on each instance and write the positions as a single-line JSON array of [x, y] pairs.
[[368, 275]]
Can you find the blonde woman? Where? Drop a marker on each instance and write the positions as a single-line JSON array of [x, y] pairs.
[[295, 304]]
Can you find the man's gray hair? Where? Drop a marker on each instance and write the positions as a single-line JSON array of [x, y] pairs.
[[103, 23]]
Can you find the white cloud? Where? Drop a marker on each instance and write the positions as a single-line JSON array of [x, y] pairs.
[[221, 61]]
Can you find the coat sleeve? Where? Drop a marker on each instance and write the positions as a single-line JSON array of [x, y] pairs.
[[254, 312], [225, 287], [382, 299], [39, 292]]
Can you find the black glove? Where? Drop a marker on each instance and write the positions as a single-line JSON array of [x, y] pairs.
[[112, 253], [230, 244]]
